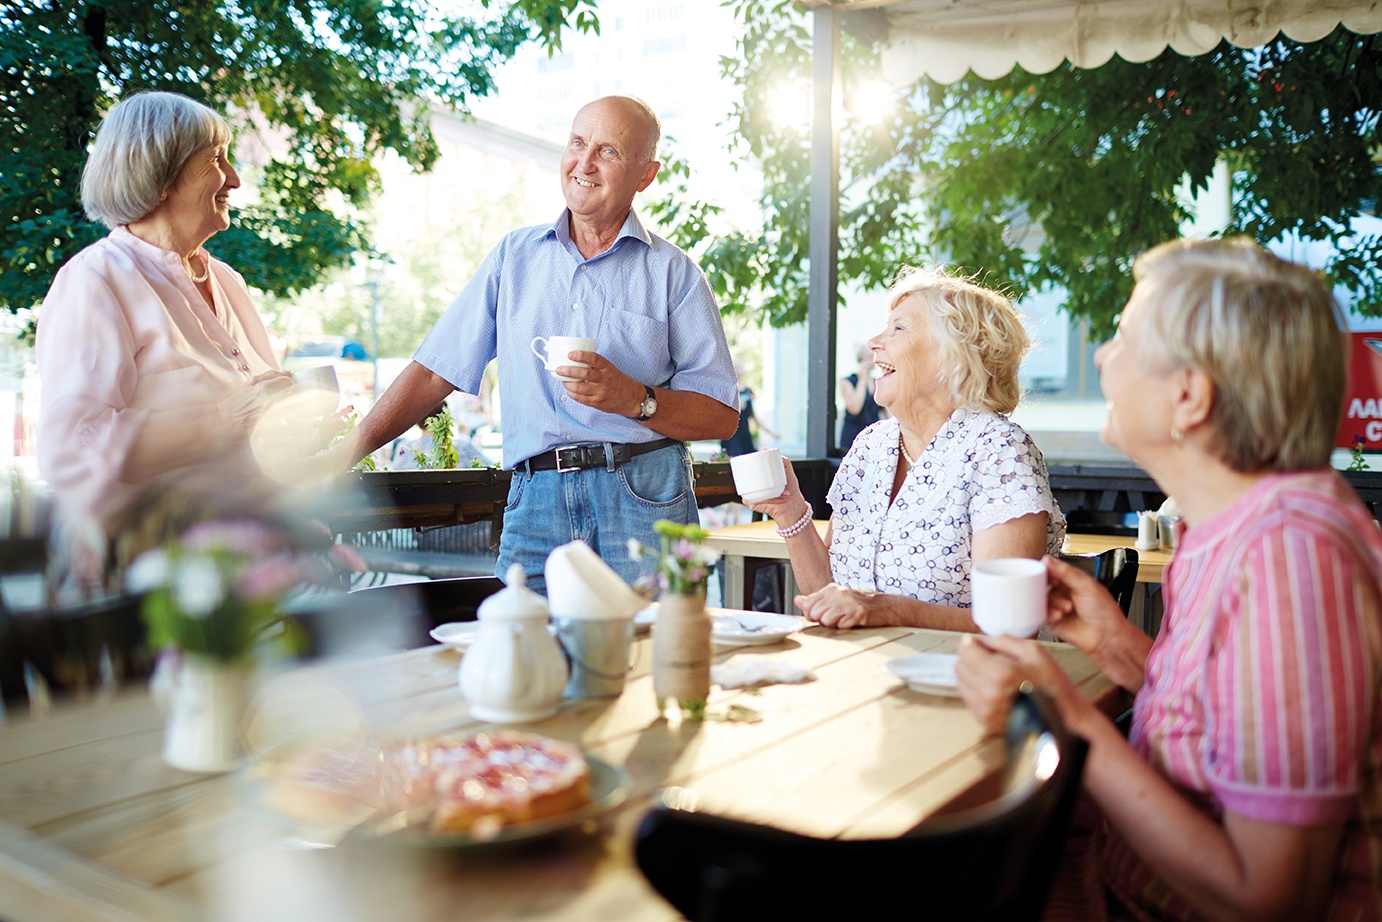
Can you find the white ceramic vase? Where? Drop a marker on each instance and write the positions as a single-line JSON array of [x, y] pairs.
[[206, 708]]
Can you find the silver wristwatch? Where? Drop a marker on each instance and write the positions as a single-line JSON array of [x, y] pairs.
[[648, 407]]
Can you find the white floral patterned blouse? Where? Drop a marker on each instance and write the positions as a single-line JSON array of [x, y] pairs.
[[980, 470]]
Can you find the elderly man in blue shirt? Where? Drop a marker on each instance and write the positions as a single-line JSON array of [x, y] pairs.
[[602, 456]]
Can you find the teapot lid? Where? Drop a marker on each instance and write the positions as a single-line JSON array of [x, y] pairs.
[[515, 601]]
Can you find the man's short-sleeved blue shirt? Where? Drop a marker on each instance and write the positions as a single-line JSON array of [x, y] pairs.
[[645, 303]]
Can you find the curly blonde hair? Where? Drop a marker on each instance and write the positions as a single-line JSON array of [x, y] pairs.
[[977, 333]]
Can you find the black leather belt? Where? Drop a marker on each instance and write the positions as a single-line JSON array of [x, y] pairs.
[[580, 457]]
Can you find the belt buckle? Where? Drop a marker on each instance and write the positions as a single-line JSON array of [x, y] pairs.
[[557, 453]]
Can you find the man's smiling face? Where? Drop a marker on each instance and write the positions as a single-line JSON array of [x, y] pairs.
[[606, 162]]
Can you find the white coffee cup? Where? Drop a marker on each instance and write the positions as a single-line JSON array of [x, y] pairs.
[[1008, 596], [759, 475], [556, 351], [320, 376]]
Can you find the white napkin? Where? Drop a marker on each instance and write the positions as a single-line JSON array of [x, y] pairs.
[[581, 585], [744, 671]]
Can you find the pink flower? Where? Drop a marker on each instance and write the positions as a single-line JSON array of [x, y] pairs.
[[273, 577], [240, 536]]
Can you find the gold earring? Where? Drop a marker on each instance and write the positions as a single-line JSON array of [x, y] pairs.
[[1176, 435]]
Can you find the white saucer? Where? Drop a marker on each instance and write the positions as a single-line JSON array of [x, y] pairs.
[[929, 673], [750, 628], [733, 628], [457, 635]]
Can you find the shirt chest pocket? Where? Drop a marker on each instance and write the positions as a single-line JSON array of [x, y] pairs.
[[637, 344]]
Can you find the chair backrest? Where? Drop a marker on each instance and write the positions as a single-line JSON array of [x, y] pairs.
[[71, 648], [1116, 568], [994, 862]]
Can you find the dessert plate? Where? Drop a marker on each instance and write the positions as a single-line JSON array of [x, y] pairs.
[[609, 787], [731, 628], [929, 673]]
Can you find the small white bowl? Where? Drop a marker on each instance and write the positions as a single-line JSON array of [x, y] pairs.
[[457, 634]]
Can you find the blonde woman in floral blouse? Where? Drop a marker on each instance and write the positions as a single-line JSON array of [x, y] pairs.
[[946, 481]]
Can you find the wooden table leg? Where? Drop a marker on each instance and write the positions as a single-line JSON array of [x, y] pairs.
[[789, 590], [736, 593]]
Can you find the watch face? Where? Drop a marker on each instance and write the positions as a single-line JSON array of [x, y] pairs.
[[649, 406]]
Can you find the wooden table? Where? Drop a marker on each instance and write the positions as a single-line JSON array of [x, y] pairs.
[[758, 540], [94, 826]]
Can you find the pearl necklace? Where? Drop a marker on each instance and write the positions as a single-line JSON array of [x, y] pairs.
[[206, 269], [902, 443]]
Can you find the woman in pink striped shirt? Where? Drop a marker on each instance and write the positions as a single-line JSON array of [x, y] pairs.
[[1250, 786]]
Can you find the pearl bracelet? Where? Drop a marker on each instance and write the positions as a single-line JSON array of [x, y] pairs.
[[796, 529]]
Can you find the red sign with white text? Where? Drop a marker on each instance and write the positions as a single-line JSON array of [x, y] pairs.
[[1362, 417]]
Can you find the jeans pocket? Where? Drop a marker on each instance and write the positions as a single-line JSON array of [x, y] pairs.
[[516, 485], [659, 478]]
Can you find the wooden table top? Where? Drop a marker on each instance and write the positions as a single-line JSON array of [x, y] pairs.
[[758, 539], [93, 825]]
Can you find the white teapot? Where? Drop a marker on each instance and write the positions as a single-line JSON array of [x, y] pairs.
[[514, 672]]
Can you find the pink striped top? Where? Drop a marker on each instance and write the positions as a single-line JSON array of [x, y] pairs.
[[1262, 688]]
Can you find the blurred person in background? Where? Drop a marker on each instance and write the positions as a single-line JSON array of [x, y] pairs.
[[861, 408], [742, 442], [1250, 784], [946, 481]]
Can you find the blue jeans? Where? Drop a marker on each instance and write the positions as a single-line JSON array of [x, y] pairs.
[[602, 506]]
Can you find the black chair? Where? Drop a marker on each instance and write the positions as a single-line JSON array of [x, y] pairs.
[[74, 650], [993, 862], [1116, 568]]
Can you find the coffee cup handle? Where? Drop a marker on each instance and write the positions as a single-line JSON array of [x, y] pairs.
[[543, 354]]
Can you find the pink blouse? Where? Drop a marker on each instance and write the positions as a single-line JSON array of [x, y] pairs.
[[124, 335], [1262, 692]]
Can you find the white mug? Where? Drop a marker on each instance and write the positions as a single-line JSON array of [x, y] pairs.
[[759, 475], [1008, 596], [320, 376], [556, 351]]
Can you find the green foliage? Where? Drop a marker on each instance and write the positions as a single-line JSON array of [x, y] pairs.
[[1357, 462], [443, 455], [1059, 179], [327, 85], [219, 591]]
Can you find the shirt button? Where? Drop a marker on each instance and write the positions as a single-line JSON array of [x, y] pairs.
[[576, 306], [563, 398], [244, 368], [235, 352]]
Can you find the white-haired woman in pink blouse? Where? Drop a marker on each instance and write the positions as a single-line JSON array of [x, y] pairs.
[[153, 360], [1250, 784], [948, 480]]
